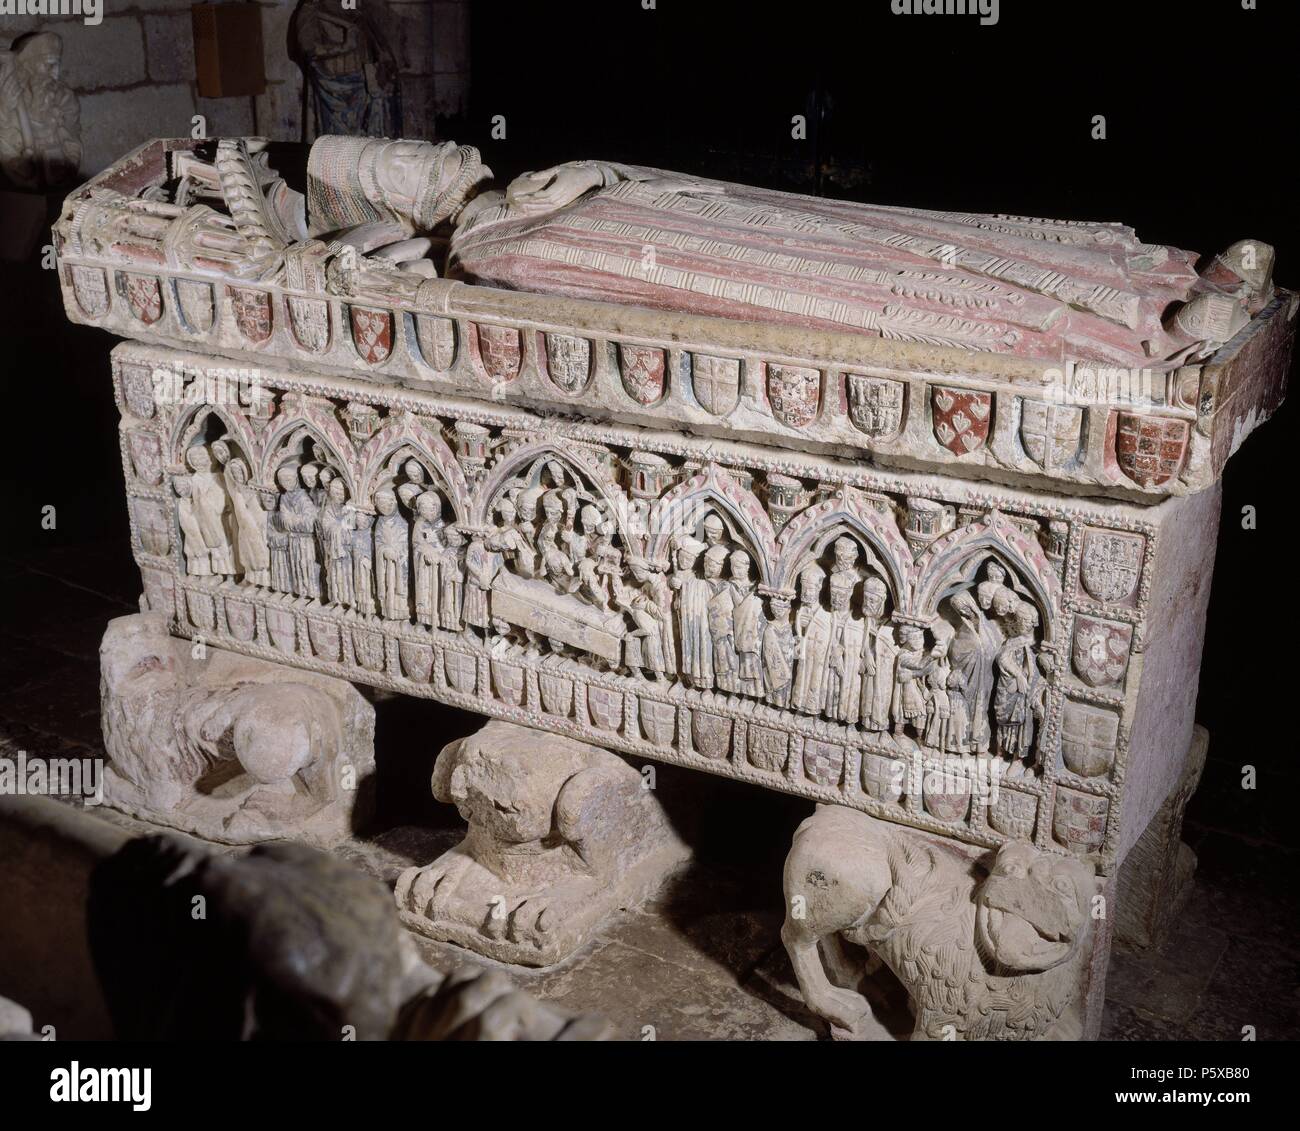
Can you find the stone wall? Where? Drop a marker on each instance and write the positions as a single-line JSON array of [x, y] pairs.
[[134, 72]]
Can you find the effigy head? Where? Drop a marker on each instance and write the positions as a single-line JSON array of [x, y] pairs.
[[1033, 909]]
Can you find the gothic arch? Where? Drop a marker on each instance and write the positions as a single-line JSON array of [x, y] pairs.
[[965, 548], [428, 447], [190, 423], [319, 427], [585, 469], [714, 488], [848, 512]]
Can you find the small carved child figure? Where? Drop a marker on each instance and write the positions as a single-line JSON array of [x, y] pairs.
[[912, 667], [958, 721], [779, 648], [938, 710]]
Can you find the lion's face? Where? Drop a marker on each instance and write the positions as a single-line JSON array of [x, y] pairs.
[[1031, 911], [491, 791]]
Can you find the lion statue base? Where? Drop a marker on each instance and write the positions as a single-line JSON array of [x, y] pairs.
[[561, 836], [985, 951]]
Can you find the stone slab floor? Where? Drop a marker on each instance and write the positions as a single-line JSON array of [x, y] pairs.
[[704, 960]]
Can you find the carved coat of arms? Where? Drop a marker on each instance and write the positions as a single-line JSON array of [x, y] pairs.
[[823, 762], [437, 340], [716, 382], [137, 391], [198, 308], [500, 348], [568, 361], [875, 405], [1079, 820], [1150, 449], [712, 734], [606, 707], [766, 748], [1100, 650], [1110, 565], [1014, 813], [372, 333], [642, 369], [961, 418], [794, 392], [658, 721], [281, 627], [462, 671], [91, 290], [144, 297], [309, 319], [146, 456], [252, 310], [1051, 433], [1089, 736]]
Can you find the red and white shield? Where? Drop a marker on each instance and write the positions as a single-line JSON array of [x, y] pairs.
[[1111, 564], [501, 351], [1100, 650], [462, 671], [252, 310], [961, 418], [417, 660], [643, 369], [557, 694], [368, 647], [372, 333], [794, 393], [143, 296], [282, 628], [1079, 820], [1149, 449], [823, 762]]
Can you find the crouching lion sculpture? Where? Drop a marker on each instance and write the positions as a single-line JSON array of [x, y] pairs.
[[996, 956], [231, 748], [561, 835]]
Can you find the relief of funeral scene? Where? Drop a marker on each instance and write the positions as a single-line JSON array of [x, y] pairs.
[[879, 614]]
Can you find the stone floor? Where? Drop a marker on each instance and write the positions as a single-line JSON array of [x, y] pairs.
[[705, 960]]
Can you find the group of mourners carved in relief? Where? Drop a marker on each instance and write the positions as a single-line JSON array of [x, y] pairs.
[[549, 572]]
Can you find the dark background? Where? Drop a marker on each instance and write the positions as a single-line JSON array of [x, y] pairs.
[[931, 111]]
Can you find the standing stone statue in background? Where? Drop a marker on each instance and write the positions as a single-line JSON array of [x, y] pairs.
[[40, 136], [350, 70]]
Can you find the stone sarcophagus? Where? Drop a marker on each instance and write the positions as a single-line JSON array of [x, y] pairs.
[[912, 513]]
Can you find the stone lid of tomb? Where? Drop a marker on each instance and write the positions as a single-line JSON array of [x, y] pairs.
[[1063, 355]]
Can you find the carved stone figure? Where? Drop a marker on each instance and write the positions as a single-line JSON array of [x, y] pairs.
[[336, 526], [778, 652], [363, 562], [561, 834], [1018, 698], [427, 556], [998, 958], [971, 655], [297, 517], [912, 666], [277, 534], [878, 652], [392, 556], [210, 510], [693, 595], [250, 520], [829, 681], [229, 747], [40, 136], [451, 580]]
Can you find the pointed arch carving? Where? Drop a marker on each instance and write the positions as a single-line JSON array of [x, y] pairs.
[[426, 443]]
